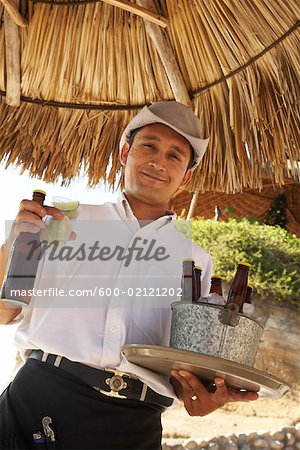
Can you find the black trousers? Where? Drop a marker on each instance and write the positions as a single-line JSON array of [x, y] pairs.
[[82, 418]]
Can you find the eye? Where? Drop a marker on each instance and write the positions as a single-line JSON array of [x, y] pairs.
[[175, 156]]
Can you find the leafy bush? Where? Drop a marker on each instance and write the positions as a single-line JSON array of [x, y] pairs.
[[274, 254]]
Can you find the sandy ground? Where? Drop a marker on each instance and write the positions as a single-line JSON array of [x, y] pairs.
[[261, 415]]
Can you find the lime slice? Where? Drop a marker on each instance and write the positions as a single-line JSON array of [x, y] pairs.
[[65, 204]]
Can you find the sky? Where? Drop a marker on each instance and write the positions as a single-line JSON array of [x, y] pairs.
[[13, 188]]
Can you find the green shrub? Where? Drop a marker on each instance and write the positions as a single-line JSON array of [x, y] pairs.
[[274, 254]]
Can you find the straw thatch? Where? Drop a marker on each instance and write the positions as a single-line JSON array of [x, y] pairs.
[[85, 69]]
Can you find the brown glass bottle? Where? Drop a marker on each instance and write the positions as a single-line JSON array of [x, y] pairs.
[[238, 289], [249, 294], [248, 307], [23, 264], [198, 274], [188, 280], [216, 285]]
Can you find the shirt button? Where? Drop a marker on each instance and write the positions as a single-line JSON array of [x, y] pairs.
[[113, 329]]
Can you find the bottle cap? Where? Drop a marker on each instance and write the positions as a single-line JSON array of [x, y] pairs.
[[217, 276], [250, 286], [188, 260], [245, 264], [40, 191], [198, 267]]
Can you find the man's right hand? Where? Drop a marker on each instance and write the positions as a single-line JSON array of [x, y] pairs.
[[29, 218]]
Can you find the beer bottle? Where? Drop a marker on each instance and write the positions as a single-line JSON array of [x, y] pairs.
[[216, 285], [215, 295], [198, 273], [23, 263], [248, 307], [238, 289], [188, 280]]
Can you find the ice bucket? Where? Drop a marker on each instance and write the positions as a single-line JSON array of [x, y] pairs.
[[197, 327]]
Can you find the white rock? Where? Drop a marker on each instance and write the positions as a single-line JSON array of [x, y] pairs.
[[166, 447], [276, 445], [171, 446], [297, 426], [190, 444], [213, 446], [278, 436], [231, 446], [245, 446], [289, 430], [242, 438], [222, 441], [290, 439], [260, 443], [265, 435], [252, 436]]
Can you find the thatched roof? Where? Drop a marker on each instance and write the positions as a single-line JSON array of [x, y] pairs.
[[82, 70]]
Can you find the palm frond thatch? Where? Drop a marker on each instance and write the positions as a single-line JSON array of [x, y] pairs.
[[101, 56]]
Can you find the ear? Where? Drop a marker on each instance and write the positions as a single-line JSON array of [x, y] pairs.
[[124, 154], [186, 178]]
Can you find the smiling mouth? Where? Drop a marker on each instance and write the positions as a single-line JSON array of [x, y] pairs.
[[153, 177]]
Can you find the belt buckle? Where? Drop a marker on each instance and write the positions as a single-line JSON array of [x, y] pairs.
[[116, 384]]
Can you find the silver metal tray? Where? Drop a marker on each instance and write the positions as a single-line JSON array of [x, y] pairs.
[[238, 376]]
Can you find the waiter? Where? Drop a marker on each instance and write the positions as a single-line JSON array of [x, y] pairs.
[[76, 389]]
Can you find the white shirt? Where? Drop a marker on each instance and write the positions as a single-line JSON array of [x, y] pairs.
[[92, 329]]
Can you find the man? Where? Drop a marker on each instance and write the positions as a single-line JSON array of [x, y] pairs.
[[69, 388]]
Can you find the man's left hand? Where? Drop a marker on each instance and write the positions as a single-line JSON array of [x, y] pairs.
[[196, 398]]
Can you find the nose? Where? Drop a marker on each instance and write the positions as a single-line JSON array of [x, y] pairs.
[[157, 162]]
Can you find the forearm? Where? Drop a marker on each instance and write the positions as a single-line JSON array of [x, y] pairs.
[[7, 312]]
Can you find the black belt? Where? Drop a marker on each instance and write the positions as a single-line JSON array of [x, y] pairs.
[[110, 382]]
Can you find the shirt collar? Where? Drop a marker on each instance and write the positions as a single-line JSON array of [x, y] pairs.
[[126, 212]]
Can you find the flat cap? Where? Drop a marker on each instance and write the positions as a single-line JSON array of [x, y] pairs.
[[176, 116]]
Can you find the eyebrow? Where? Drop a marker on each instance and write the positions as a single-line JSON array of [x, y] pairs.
[[156, 138]]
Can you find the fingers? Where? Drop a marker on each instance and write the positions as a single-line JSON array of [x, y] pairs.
[[190, 383], [194, 395], [221, 396], [34, 207], [29, 217], [238, 396], [198, 401], [56, 213], [38, 210]]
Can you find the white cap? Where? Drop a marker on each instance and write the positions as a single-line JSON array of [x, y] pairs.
[[176, 116]]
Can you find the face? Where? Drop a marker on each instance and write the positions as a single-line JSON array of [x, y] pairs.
[[156, 164]]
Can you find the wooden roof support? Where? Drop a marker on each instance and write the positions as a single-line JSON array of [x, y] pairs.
[[193, 205], [12, 9], [12, 48], [165, 51], [164, 48], [139, 11]]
